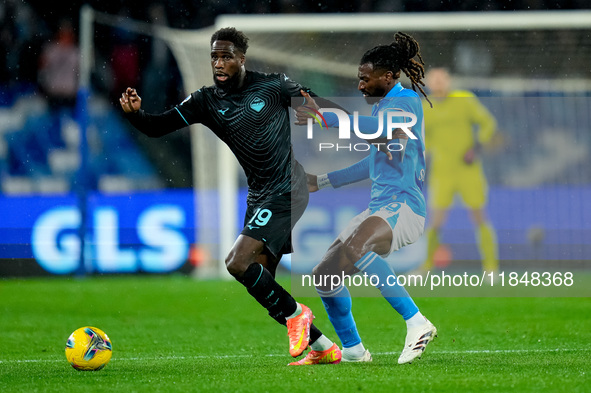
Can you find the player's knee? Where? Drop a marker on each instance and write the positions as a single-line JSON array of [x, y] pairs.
[[236, 266], [318, 272], [355, 251]]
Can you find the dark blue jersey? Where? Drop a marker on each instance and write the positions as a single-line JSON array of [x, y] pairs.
[[252, 120]]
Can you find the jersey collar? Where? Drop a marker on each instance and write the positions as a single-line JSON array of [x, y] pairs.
[[391, 94], [395, 90]]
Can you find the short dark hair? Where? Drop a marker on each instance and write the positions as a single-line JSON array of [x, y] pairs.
[[236, 37]]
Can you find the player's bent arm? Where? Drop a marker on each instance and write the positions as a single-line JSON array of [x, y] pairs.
[[157, 125], [308, 100], [352, 174], [296, 95]]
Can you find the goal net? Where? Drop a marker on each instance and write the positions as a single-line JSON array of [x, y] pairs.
[[530, 68]]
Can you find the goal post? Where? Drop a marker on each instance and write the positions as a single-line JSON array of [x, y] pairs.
[[523, 47], [423, 21], [86, 61]]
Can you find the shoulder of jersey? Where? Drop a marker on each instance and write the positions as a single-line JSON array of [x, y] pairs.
[[204, 89], [263, 75], [407, 93], [461, 93]]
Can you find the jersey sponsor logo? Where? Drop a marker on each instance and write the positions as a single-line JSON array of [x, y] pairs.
[[257, 104], [223, 111]]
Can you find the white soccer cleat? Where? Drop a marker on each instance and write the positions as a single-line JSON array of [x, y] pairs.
[[366, 357], [416, 341]]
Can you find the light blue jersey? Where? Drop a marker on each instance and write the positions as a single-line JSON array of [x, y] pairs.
[[400, 179]]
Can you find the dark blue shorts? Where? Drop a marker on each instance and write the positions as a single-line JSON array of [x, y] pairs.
[[272, 220]]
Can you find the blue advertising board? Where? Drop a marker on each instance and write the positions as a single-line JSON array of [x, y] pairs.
[[153, 231], [149, 232]]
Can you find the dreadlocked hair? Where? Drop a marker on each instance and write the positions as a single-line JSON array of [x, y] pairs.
[[399, 56]]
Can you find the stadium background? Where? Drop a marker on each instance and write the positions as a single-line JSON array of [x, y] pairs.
[[173, 333], [130, 183]]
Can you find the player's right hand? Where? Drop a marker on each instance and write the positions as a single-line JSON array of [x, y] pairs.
[[302, 112], [130, 101]]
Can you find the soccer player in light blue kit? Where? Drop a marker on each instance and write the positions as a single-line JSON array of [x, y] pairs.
[[396, 213]]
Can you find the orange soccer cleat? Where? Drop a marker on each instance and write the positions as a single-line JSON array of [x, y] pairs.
[[330, 356], [298, 331]]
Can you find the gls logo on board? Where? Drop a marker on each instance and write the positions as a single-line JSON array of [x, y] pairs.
[[56, 243], [345, 128]]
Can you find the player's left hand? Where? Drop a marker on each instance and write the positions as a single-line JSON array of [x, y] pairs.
[[302, 112], [384, 149], [312, 181]]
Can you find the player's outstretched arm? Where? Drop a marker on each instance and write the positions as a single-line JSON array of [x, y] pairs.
[[130, 101], [152, 125], [342, 177]]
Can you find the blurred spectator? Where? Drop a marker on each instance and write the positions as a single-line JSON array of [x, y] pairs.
[[6, 40], [125, 60], [156, 74], [21, 35], [59, 67]]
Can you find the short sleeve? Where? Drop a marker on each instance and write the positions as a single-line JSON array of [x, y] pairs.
[[291, 89]]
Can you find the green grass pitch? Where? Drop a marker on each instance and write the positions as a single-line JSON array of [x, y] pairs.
[[172, 333]]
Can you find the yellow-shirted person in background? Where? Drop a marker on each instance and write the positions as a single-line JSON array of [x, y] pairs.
[[455, 128]]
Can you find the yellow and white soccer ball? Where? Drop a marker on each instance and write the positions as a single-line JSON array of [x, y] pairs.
[[88, 349]]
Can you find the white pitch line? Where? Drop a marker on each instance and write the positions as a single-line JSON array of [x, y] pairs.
[[475, 352], [485, 351]]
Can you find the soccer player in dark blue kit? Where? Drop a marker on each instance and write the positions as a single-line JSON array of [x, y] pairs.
[[249, 112]]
